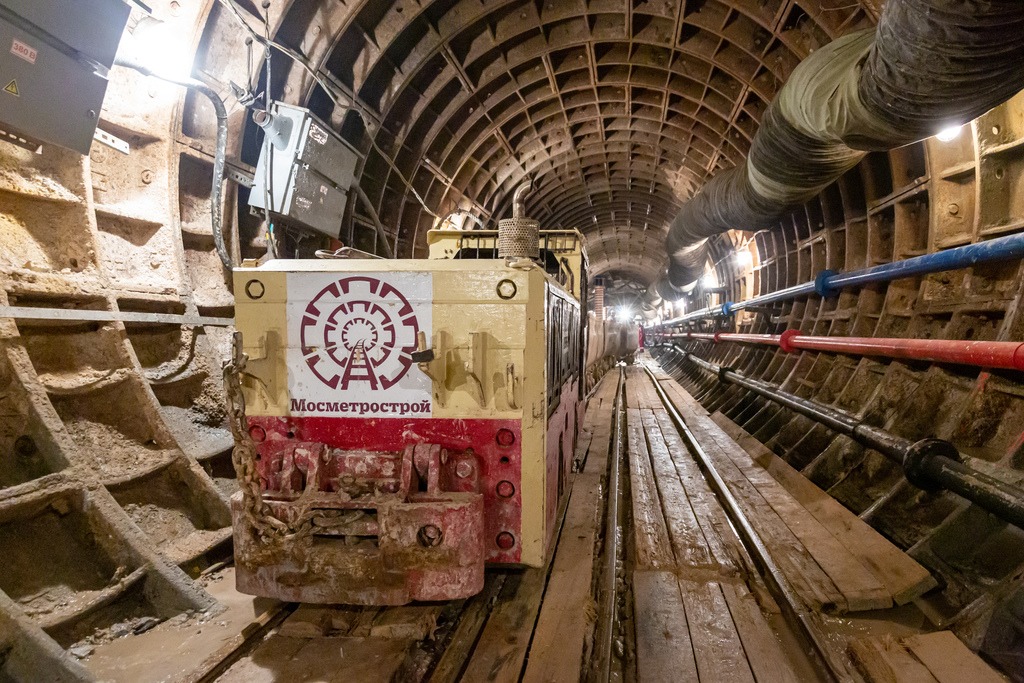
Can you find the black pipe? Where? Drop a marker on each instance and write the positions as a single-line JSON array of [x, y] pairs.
[[930, 464]]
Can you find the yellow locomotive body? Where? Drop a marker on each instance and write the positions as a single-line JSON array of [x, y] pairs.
[[409, 420]]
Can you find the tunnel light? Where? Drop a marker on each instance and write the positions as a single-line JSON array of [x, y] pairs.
[[156, 45], [625, 314], [708, 281], [949, 134], [744, 260]]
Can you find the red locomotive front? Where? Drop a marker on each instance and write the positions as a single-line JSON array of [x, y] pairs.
[[400, 424]]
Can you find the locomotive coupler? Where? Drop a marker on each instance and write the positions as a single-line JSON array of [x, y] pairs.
[[363, 527]]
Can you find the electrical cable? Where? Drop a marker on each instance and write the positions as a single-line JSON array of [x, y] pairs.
[[268, 149], [217, 190], [351, 105]]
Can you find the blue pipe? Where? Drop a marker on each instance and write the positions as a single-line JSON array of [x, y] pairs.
[[828, 283], [999, 249], [779, 295]]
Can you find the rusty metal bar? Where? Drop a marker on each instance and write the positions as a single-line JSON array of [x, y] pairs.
[[604, 638], [99, 316]]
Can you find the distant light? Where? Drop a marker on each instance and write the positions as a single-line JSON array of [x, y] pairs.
[[161, 48], [949, 134], [744, 259], [709, 281], [625, 315]]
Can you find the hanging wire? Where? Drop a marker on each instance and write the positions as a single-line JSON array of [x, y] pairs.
[[351, 105]]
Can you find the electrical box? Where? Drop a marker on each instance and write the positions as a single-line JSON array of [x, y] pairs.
[[304, 172], [54, 60]]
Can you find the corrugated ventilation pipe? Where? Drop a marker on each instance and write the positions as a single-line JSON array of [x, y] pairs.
[[929, 65]]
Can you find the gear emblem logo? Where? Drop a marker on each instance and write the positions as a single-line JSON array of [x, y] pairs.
[[357, 331]]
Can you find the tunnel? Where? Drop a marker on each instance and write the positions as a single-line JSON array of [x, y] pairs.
[[843, 335]]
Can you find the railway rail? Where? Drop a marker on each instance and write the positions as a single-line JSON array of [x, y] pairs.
[[685, 550]]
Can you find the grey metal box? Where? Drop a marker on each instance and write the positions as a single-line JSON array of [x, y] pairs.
[[311, 170], [54, 59]]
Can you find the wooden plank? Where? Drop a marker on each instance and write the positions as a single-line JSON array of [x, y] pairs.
[[411, 622], [949, 660], [883, 660], [765, 652], [721, 540], [567, 613], [664, 651], [814, 586], [689, 545], [716, 643], [471, 623], [903, 577], [653, 548], [634, 379], [680, 397], [860, 587], [499, 654], [227, 655]]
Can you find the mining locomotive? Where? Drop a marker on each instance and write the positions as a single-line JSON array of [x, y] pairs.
[[401, 424]]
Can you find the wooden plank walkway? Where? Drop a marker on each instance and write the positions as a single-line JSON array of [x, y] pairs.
[[835, 563], [695, 616], [938, 657], [561, 640], [902, 576]]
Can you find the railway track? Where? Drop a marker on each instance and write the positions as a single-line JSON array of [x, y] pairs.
[[672, 561], [520, 627]]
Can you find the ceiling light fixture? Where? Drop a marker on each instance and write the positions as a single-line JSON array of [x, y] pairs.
[[949, 134]]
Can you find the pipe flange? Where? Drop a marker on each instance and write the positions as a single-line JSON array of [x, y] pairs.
[[721, 374], [727, 308], [717, 337], [919, 454], [786, 340], [821, 287]]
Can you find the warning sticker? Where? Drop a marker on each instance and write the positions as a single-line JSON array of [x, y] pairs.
[[317, 133], [24, 51], [12, 88]]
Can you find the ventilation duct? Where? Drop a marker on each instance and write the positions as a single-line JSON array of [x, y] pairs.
[[929, 64]]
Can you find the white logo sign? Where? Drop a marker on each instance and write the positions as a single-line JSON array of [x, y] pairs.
[[351, 338]]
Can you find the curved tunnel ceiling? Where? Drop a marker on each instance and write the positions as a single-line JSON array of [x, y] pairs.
[[617, 111]]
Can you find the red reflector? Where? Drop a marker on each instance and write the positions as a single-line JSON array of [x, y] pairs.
[[505, 437], [505, 540], [257, 433]]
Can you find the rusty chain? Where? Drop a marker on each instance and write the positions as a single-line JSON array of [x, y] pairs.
[[269, 528]]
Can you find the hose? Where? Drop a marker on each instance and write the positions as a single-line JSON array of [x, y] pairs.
[[216, 191], [928, 65], [375, 217]]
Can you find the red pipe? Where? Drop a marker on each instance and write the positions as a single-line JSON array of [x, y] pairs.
[[769, 339], [985, 354]]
